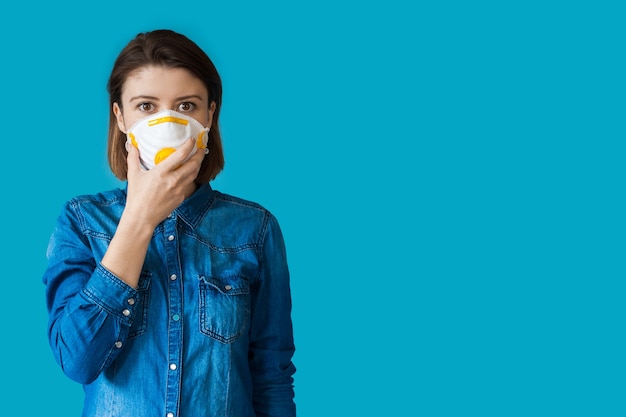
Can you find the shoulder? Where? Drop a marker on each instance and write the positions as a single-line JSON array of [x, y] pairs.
[[105, 198], [95, 210], [240, 208], [236, 203], [239, 215]]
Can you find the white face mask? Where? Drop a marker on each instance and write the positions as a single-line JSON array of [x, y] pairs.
[[159, 135]]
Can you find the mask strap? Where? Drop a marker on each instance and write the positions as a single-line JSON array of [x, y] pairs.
[[206, 150]]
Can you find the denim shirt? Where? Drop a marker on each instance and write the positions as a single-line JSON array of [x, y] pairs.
[[207, 332]]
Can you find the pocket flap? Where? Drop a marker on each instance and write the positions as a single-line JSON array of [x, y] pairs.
[[228, 285]]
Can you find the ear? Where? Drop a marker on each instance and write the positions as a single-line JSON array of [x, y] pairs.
[[211, 112], [120, 117]]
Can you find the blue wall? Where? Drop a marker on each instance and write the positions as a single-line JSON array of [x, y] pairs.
[[449, 179]]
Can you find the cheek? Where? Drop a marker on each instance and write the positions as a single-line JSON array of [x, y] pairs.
[[128, 121], [208, 119], [120, 124], [124, 121], [202, 118]]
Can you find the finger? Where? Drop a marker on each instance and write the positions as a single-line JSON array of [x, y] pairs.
[[190, 168], [132, 159], [198, 156], [176, 159]]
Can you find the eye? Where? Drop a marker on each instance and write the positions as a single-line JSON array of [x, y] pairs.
[[146, 106], [186, 107]]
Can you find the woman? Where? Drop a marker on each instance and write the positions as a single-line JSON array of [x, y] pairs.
[[168, 298]]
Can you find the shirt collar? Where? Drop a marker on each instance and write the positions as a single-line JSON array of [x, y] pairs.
[[193, 209]]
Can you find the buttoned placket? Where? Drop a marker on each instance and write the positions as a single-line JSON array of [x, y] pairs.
[[175, 324]]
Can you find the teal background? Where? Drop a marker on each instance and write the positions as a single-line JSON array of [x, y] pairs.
[[449, 177]]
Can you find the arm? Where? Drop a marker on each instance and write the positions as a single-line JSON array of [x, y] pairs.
[[271, 333], [88, 301], [87, 305], [152, 195]]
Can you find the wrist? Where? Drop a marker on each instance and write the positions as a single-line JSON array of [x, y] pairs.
[[138, 227]]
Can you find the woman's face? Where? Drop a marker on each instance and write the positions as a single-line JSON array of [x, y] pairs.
[[154, 88]]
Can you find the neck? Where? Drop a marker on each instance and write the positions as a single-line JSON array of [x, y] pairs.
[[190, 189]]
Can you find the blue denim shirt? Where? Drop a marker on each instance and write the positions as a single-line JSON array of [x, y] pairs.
[[208, 330]]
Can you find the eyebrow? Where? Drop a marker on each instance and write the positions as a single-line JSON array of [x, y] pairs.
[[157, 99]]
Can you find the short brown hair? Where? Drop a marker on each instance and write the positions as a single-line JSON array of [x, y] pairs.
[[168, 49]]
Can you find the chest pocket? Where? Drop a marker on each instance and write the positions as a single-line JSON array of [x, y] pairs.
[[140, 322], [224, 307]]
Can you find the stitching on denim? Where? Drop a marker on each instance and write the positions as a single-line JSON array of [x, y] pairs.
[[203, 290], [77, 203], [250, 204], [201, 213], [239, 201], [90, 295], [113, 280], [261, 245], [110, 358], [214, 282], [264, 227], [140, 321], [235, 249], [230, 369]]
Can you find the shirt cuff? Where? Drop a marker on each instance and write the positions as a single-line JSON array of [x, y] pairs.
[[112, 294]]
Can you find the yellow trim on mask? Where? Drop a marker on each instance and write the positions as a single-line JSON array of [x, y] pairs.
[[132, 140], [162, 155], [167, 119], [200, 142]]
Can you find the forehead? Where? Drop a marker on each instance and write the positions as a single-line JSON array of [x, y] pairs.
[[162, 83]]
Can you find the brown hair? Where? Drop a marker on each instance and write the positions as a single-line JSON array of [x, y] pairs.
[[171, 50]]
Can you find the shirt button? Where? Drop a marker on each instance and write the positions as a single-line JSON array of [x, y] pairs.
[[228, 288], [118, 344], [173, 277], [170, 237], [173, 367], [175, 317], [170, 414], [126, 312], [131, 301]]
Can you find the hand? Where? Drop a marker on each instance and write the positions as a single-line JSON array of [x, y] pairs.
[[154, 194]]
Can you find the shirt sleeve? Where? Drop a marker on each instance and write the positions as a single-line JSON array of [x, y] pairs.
[[90, 310], [271, 333]]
